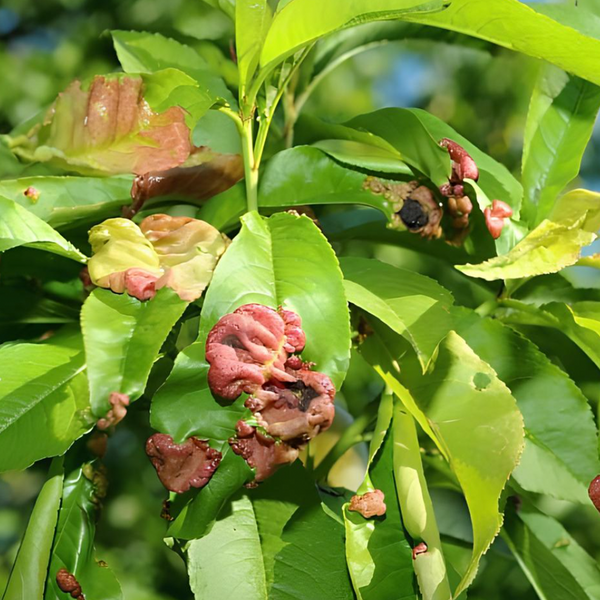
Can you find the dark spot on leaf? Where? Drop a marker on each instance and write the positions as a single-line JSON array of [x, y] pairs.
[[413, 215]]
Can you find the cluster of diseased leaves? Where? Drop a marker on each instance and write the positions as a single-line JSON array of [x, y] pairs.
[[459, 407]]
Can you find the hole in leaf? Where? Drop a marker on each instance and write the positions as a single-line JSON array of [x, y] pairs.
[[481, 381]]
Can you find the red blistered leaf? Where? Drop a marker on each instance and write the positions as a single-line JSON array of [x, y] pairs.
[[463, 166], [261, 452], [369, 505], [250, 346], [181, 466], [298, 411]]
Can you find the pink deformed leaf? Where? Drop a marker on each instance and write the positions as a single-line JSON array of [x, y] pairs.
[[261, 451], [251, 350], [118, 410], [369, 505], [176, 252], [181, 466], [108, 129], [248, 347], [463, 166]]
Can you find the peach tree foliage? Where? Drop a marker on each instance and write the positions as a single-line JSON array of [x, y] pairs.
[[222, 286]]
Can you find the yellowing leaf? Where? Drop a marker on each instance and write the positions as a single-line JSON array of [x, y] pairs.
[[176, 252], [554, 244]]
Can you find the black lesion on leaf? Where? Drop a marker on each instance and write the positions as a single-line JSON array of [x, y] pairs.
[[413, 215]]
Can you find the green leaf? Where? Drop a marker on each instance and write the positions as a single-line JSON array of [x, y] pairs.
[[123, 337], [228, 561], [417, 509], [285, 260], [365, 156], [73, 547], [184, 406], [143, 52], [414, 306], [554, 244], [275, 501], [61, 201], [252, 21], [312, 563], [304, 175], [551, 579], [18, 227], [580, 321], [406, 132], [44, 404], [377, 572], [516, 26], [571, 555], [200, 508], [561, 117], [303, 21], [554, 461], [28, 576], [472, 417]]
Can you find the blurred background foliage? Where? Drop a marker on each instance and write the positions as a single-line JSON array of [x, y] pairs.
[[482, 93]]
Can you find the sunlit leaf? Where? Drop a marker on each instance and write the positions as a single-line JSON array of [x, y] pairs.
[[516, 26], [561, 116], [414, 306], [28, 576], [122, 339], [44, 402], [554, 244], [554, 461], [302, 21], [474, 420], [19, 227]]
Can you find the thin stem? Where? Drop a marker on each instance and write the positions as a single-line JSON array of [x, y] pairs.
[[351, 436], [250, 167], [235, 117], [539, 316]]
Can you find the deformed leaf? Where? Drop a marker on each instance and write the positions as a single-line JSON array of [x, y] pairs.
[[110, 128], [204, 175], [554, 244], [175, 252]]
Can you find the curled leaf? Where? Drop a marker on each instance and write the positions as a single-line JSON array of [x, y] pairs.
[[204, 175], [176, 252], [181, 466], [108, 129]]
